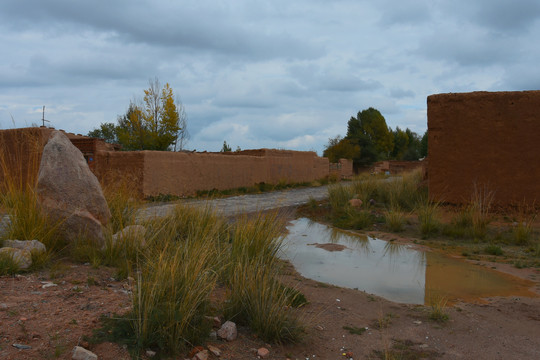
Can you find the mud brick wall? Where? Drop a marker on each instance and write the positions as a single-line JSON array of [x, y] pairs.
[[488, 140], [184, 173], [20, 154], [120, 169]]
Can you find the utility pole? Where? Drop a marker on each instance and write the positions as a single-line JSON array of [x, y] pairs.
[[43, 117]]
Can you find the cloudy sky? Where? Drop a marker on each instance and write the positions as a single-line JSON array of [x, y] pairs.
[[278, 74]]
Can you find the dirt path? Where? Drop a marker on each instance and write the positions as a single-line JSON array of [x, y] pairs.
[[246, 203]]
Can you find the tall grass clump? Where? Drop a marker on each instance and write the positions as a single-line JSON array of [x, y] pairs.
[[522, 230], [256, 297], [171, 297], [481, 202], [339, 195], [177, 272], [428, 217], [394, 219], [123, 203]]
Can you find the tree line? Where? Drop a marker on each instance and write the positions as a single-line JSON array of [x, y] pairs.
[[157, 122], [369, 140]]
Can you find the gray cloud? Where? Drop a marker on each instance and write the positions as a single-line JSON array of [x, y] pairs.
[[273, 74]]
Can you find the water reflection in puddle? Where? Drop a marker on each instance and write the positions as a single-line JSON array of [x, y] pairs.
[[394, 271]]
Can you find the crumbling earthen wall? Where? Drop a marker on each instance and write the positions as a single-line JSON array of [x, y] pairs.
[[487, 140]]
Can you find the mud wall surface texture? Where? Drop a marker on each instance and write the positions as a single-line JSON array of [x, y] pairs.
[[120, 169], [184, 173], [20, 154], [488, 141]]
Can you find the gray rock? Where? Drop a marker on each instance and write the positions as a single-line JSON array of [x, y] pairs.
[[29, 245], [228, 331], [22, 347], [5, 223], [69, 192], [80, 353], [132, 233], [22, 258]]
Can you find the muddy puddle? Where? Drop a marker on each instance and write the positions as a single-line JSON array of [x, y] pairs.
[[396, 272]]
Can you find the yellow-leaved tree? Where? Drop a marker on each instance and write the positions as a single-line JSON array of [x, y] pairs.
[[158, 122]]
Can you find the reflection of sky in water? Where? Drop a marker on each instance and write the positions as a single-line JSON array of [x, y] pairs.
[[393, 271], [375, 266]]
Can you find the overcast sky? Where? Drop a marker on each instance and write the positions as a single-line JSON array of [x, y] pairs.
[[277, 74]]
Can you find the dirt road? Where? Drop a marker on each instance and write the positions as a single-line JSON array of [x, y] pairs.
[[245, 203]]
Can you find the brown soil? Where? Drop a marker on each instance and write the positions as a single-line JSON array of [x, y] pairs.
[[52, 320]]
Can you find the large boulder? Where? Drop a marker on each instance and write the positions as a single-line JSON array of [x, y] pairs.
[[69, 192]]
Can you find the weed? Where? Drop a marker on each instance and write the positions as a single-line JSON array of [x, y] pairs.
[[256, 298], [429, 218], [482, 199], [493, 250], [355, 330], [395, 220], [7, 265], [438, 304]]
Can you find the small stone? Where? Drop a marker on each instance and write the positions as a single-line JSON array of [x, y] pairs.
[[356, 203], [3, 306], [263, 352], [319, 327], [80, 353], [214, 350], [424, 346], [195, 350], [150, 353], [29, 245], [228, 331], [213, 335], [21, 346], [47, 284], [417, 322], [22, 258], [201, 355]]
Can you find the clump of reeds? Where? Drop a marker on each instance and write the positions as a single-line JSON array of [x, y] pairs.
[[428, 217], [481, 201], [394, 219], [438, 304], [258, 299], [256, 296]]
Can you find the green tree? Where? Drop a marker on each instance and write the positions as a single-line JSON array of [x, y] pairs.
[[226, 147], [369, 131], [424, 145], [107, 132], [339, 148], [157, 122]]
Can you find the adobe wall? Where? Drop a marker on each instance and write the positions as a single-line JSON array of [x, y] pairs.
[[485, 139], [115, 168], [20, 154], [183, 174]]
